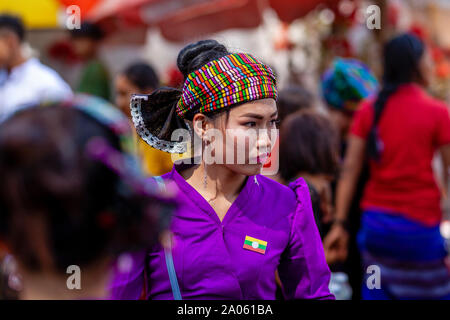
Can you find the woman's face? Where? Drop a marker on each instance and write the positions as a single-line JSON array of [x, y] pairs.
[[124, 89], [248, 136]]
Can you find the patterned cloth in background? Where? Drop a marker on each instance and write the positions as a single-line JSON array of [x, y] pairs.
[[409, 254]]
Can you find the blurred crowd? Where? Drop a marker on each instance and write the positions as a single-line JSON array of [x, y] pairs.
[[367, 160]]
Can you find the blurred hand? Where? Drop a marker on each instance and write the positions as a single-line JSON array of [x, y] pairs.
[[166, 239], [336, 244]]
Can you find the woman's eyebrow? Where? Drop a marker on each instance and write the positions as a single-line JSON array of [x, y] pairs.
[[257, 116]]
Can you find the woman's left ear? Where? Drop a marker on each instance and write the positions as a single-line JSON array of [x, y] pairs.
[[200, 124]]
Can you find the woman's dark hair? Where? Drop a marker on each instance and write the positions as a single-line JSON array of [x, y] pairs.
[[196, 55], [292, 99], [308, 143], [54, 193], [142, 76], [401, 56]]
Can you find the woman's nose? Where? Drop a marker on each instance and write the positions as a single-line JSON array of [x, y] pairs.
[[264, 139]]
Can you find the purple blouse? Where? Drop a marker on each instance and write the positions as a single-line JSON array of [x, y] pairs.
[[209, 255]]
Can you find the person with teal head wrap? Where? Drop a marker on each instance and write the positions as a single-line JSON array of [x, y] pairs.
[[344, 85]]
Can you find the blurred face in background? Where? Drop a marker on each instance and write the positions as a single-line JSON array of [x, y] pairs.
[[124, 89], [9, 45], [84, 47]]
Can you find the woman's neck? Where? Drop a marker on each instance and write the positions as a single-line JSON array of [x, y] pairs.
[[220, 181]]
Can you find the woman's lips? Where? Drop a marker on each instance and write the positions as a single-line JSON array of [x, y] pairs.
[[261, 159]]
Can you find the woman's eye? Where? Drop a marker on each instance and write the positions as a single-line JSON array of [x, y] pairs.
[[274, 122], [250, 124]]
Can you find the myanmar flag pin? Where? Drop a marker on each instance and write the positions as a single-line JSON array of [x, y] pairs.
[[254, 244]]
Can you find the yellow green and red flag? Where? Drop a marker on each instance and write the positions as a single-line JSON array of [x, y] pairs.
[[255, 245]]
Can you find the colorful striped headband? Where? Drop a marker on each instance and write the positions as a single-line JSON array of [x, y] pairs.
[[227, 81], [235, 78]]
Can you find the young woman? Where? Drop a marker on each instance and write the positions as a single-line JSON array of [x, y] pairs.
[[235, 227], [401, 130], [66, 209]]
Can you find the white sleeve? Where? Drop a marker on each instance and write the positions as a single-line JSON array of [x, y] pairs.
[[56, 89]]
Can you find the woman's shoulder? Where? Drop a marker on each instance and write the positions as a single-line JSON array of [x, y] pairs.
[[292, 195], [302, 191], [272, 184], [430, 102], [286, 203]]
